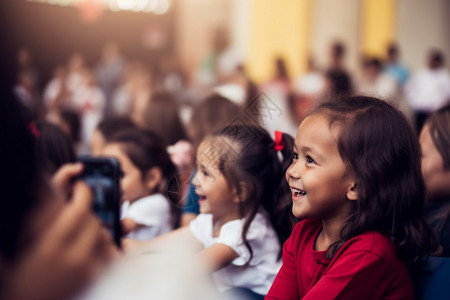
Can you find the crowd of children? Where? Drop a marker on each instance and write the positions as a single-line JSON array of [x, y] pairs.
[[304, 190]]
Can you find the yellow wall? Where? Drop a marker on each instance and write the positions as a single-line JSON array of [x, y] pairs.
[[278, 28], [378, 27]]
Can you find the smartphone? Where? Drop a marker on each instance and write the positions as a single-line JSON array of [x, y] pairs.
[[102, 174]]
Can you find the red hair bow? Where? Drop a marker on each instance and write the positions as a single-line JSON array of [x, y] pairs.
[[279, 143]]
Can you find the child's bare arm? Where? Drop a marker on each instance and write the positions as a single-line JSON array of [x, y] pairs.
[[128, 225], [216, 257], [173, 241]]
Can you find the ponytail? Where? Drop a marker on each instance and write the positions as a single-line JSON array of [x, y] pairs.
[[280, 210]]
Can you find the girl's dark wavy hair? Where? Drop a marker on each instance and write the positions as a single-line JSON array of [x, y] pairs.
[[379, 146], [247, 154]]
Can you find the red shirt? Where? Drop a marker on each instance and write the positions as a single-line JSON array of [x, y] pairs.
[[365, 267]]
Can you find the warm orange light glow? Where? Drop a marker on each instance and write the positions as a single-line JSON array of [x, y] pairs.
[[157, 7]]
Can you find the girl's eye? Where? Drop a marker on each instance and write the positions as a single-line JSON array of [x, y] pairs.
[[121, 174], [295, 156], [205, 172], [309, 160]]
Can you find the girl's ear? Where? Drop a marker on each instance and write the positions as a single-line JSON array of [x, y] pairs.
[[352, 193], [245, 191], [153, 178]]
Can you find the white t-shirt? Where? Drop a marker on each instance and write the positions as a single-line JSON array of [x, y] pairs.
[[90, 103], [152, 213], [428, 90], [260, 273]]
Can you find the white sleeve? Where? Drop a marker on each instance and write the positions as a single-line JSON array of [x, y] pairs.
[[257, 236], [260, 236], [231, 235], [152, 211], [201, 228]]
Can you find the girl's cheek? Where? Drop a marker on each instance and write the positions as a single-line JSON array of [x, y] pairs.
[[196, 180], [123, 185]]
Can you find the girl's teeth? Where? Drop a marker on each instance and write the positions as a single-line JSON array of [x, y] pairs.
[[299, 192]]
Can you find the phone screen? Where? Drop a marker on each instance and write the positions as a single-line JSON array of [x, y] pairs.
[[102, 175]]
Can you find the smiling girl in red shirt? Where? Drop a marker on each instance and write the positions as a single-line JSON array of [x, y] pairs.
[[356, 182]]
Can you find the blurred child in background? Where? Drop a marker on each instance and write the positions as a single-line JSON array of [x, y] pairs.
[[105, 130], [148, 185], [435, 142]]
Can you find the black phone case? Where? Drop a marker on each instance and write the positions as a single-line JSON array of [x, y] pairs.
[[97, 169]]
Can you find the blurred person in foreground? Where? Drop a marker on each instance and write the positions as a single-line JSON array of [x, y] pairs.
[[53, 245]]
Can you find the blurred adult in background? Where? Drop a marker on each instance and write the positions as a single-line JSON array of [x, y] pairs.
[[394, 67], [142, 85], [429, 88], [337, 54], [337, 83], [338, 79], [25, 64], [376, 83], [218, 65], [308, 89], [236, 88], [122, 98], [89, 101], [55, 95], [274, 110], [27, 95], [109, 72], [75, 68]]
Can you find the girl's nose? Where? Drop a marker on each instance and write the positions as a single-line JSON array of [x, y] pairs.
[[293, 172], [195, 182]]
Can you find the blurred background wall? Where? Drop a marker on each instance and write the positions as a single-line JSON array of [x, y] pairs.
[[259, 31]]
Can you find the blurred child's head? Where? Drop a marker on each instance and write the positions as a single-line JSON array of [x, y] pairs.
[[239, 173], [392, 53], [372, 68], [162, 117], [358, 159], [214, 113], [338, 83], [105, 130], [145, 163], [436, 59], [435, 143], [54, 147]]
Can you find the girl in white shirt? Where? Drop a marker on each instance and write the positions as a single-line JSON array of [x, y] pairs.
[[244, 209], [147, 183]]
